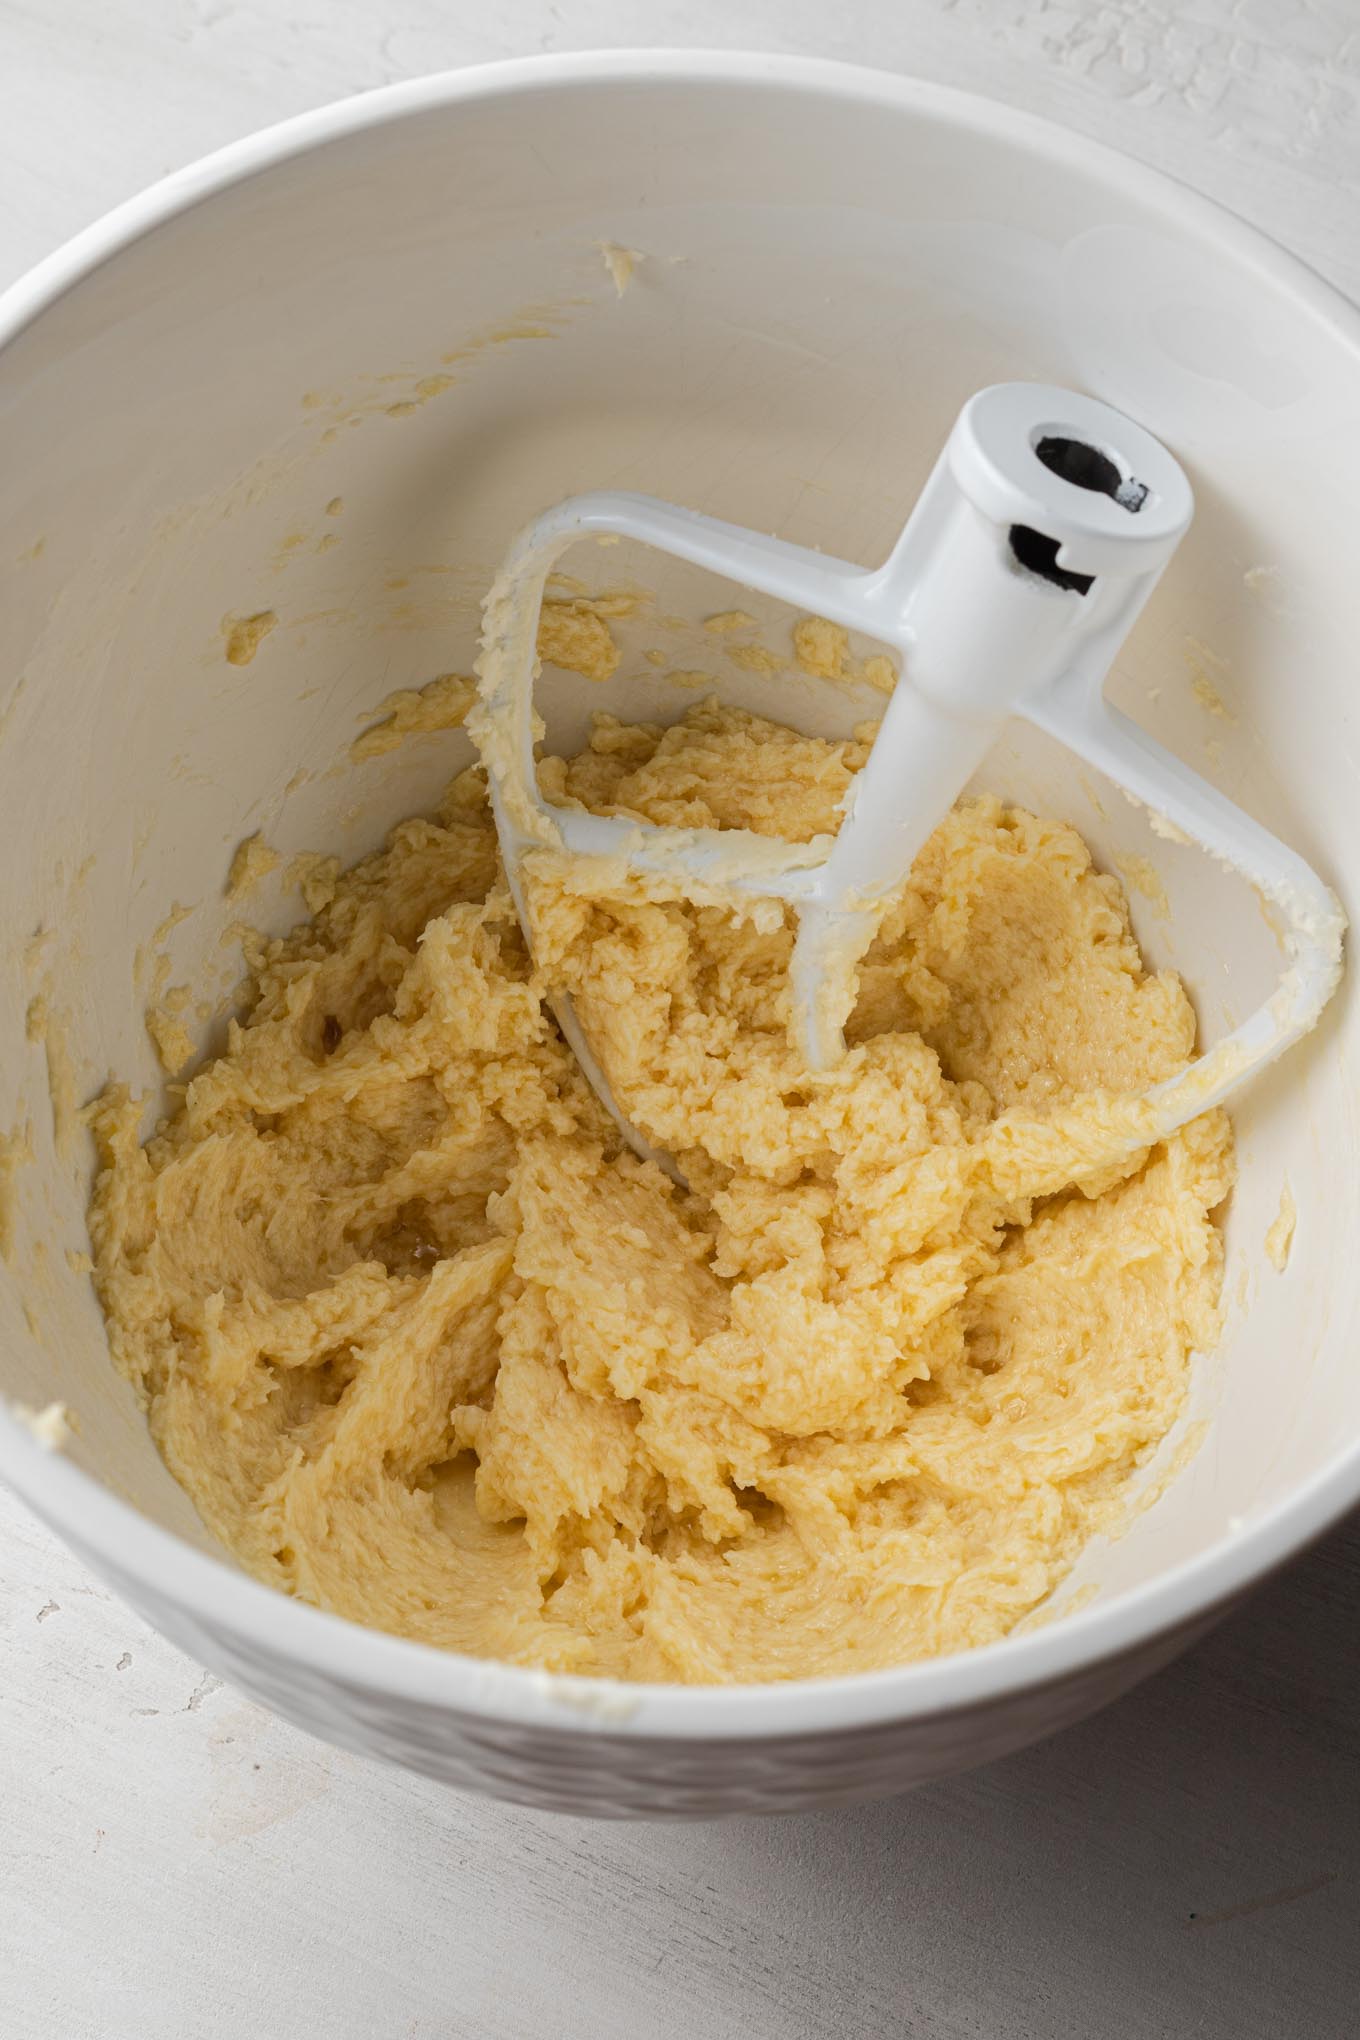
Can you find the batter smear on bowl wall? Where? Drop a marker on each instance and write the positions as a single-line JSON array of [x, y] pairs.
[[430, 1347]]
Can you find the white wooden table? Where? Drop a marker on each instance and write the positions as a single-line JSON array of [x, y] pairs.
[[177, 1865]]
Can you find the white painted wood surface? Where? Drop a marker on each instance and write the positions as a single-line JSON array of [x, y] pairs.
[[177, 1865]]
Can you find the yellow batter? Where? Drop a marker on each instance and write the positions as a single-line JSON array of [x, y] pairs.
[[428, 1349]]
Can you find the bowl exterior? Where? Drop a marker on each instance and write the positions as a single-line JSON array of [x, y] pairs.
[[603, 1773]]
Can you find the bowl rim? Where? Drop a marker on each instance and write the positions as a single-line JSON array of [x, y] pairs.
[[218, 1597]]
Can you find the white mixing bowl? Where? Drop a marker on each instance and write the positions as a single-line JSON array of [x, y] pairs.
[[400, 303]]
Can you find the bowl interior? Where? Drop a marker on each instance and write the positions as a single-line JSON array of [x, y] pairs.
[[327, 394]]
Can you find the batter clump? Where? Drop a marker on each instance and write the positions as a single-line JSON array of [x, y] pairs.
[[428, 1348]]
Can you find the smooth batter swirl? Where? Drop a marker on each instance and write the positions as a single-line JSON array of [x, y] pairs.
[[428, 1349]]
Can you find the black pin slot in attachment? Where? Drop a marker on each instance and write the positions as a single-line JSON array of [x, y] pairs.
[[1085, 467], [1039, 555]]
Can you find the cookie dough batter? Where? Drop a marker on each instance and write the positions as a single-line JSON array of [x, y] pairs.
[[428, 1349]]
